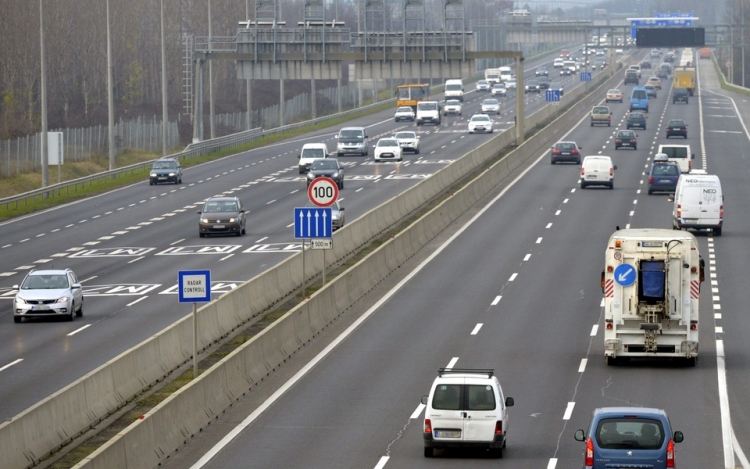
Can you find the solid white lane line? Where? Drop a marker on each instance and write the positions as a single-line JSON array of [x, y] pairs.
[[262, 239], [594, 330], [582, 366], [496, 300], [452, 363], [136, 259], [136, 301], [16, 362], [569, 410], [726, 421], [513, 277], [79, 330], [476, 328]]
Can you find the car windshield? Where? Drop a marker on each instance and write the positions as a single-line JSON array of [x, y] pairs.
[[630, 433], [453, 102], [614, 91], [351, 134], [626, 133], [427, 106], [490, 101], [45, 282], [313, 153], [674, 123], [404, 109], [481, 82], [220, 206], [601, 110], [406, 135], [334, 207], [480, 118], [639, 94], [388, 142], [675, 152], [635, 115], [324, 164], [566, 146], [164, 165]]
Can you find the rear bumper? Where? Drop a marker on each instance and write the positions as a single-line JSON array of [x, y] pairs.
[[430, 442]]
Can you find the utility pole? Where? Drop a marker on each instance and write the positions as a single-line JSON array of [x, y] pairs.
[[164, 111], [210, 77], [110, 98], [43, 137]]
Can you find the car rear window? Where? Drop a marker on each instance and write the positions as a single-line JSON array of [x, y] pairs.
[[629, 433], [447, 397], [313, 153], [601, 110], [639, 94], [675, 152], [666, 170]]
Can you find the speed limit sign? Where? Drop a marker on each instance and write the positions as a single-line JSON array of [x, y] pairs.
[[323, 192]]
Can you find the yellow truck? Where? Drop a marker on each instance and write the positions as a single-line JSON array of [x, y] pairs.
[[684, 77]]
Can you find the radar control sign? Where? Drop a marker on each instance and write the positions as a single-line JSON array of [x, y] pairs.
[[194, 286]]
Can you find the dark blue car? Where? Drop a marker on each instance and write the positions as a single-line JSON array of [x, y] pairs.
[[663, 176], [629, 437]]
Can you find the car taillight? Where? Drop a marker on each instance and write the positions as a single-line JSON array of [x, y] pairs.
[[427, 426], [618, 140], [634, 141], [690, 165], [650, 179], [575, 152], [499, 427], [721, 211], [611, 172], [670, 453], [583, 171], [679, 211], [555, 151], [589, 461]]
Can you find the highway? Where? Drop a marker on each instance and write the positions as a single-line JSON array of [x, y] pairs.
[[516, 288], [127, 246]]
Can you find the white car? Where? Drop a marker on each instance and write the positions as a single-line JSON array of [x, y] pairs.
[[483, 85], [388, 149], [405, 113], [408, 140], [490, 105], [499, 90], [480, 123], [452, 106], [510, 84]]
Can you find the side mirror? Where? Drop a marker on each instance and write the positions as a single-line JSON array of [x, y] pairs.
[[15, 287], [692, 157], [341, 209], [614, 167], [424, 399], [509, 402], [678, 437], [299, 156], [580, 435], [76, 286], [336, 136], [198, 212]]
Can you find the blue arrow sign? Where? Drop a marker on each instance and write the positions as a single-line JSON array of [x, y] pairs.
[[313, 222], [674, 15], [552, 95], [585, 76], [625, 274]]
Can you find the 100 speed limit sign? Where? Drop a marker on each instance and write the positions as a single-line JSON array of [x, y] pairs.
[[323, 192]]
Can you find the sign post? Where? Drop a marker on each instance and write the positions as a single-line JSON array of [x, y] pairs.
[[316, 223], [194, 286]]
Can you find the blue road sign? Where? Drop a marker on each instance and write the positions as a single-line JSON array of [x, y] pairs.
[[312, 222], [625, 274], [585, 76], [658, 23], [194, 286], [552, 95], [674, 15]]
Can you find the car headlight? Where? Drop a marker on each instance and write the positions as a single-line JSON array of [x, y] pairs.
[[232, 220], [204, 220], [153, 175], [335, 175], [335, 217], [20, 300], [171, 174], [310, 176], [63, 299]]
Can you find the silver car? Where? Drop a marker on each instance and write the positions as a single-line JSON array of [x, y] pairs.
[[490, 106], [48, 293], [337, 214]]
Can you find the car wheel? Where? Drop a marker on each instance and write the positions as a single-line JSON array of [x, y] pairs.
[[552, 161], [611, 361], [17, 319], [79, 313], [244, 229], [611, 185], [416, 152], [650, 192], [72, 314], [691, 362], [428, 452], [302, 171], [583, 186], [717, 231], [150, 183], [341, 186], [635, 147], [201, 235]]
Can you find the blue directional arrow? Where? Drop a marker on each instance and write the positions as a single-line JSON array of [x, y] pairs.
[[313, 222], [625, 274]]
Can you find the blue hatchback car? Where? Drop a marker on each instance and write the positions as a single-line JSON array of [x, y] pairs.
[[663, 175], [629, 437]]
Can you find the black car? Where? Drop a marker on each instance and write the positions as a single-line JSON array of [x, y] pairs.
[[631, 76], [645, 63], [542, 72], [544, 83], [676, 128], [680, 95], [557, 85], [626, 139], [566, 71], [532, 86], [566, 151], [328, 167], [636, 119], [222, 215], [165, 170]]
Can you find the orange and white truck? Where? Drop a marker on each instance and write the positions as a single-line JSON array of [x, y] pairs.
[[684, 77], [651, 284], [704, 53]]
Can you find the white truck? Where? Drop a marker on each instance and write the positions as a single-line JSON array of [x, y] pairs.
[[506, 73], [492, 76], [651, 284], [454, 89]]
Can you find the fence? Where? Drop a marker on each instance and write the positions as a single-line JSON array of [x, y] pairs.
[[23, 154]]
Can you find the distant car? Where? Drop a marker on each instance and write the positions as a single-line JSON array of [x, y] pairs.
[[483, 85], [637, 69], [557, 86], [635, 119], [626, 139], [490, 105], [655, 53], [680, 95], [337, 214], [223, 215], [597, 170], [544, 83], [404, 113], [510, 84], [48, 293], [631, 76], [663, 175], [629, 437], [645, 63], [565, 71], [676, 128], [329, 167], [388, 149], [408, 140], [566, 151], [655, 81], [532, 86], [600, 115], [614, 95], [541, 72], [480, 123], [650, 91], [498, 89], [165, 170], [452, 106]]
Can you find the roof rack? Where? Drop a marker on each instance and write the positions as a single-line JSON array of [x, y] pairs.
[[477, 371]]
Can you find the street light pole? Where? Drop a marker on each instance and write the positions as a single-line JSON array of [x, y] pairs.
[[164, 112], [110, 98], [210, 77], [43, 137], [249, 95]]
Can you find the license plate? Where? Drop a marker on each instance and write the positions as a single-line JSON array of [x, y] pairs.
[[591, 176], [664, 181], [162, 177], [447, 433], [565, 153], [219, 227], [40, 308], [689, 220]]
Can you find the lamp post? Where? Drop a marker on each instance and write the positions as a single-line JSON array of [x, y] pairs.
[[210, 77], [110, 98], [164, 113], [249, 95], [43, 137]]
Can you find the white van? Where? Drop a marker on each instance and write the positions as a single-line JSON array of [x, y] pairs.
[[310, 152], [698, 203], [558, 63], [506, 73], [465, 408], [679, 154], [597, 171], [454, 89], [428, 112]]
